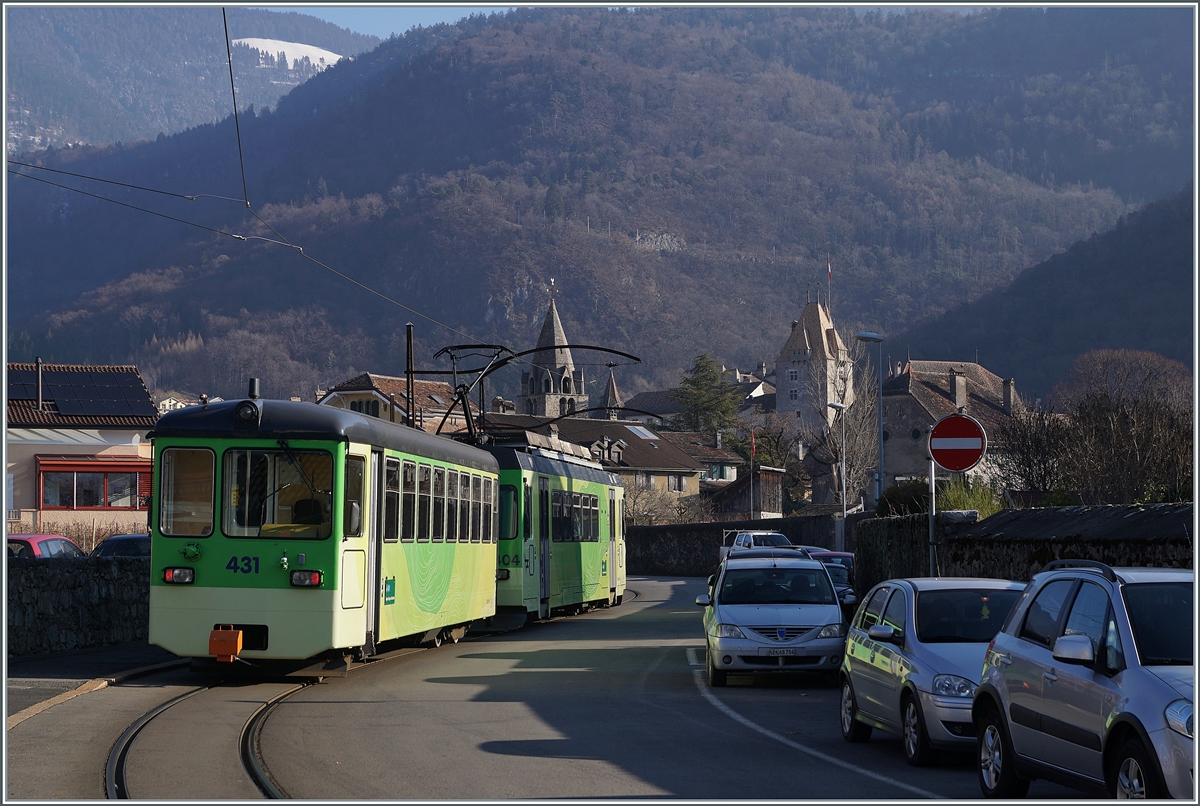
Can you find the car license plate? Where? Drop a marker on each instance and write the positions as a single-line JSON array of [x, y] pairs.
[[773, 651]]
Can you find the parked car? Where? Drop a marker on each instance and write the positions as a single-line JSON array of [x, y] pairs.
[[913, 656], [845, 558], [123, 546], [758, 540], [1090, 683], [39, 546], [843, 587], [771, 610]]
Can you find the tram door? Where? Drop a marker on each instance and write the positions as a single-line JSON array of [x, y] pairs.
[[544, 533], [612, 541], [373, 587]]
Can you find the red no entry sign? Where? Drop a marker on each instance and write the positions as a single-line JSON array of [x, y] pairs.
[[957, 442]]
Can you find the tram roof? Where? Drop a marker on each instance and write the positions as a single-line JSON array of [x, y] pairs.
[[287, 419]]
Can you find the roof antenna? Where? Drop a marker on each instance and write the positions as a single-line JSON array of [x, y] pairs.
[[253, 389]]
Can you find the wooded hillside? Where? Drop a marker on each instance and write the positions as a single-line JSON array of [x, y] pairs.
[[683, 174]]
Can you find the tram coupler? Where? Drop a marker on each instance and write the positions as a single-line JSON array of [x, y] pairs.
[[225, 642]]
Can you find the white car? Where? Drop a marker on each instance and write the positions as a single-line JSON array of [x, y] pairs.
[[771, 610], [756, 539]]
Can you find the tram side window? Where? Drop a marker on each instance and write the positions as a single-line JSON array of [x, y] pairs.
[[408, 512], [464, 508], [489, 514], [439, 504], [424, 501], [391, 506], [556, 519], [355, 472], [612, 516], [579, 528], [186, 507], [476, 508], [508, 512], [451, 506], [595, 519], [527, 513], [543, 507]]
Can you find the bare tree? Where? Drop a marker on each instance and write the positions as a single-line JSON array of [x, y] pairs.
[[646, 505], [1125, 434]]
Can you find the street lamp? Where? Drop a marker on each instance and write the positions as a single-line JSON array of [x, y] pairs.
[[877, 339], [840, 408]]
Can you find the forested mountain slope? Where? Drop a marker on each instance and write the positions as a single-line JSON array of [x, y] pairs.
[[1131, 287], [685, 175], [101, 74]]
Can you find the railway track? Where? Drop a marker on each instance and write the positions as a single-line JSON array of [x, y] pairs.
[[117, 777]]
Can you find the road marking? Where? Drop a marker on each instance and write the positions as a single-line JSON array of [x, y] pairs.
[[698, 677], [692, 659]]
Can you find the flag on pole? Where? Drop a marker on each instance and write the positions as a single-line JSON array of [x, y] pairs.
[[829, 266], [751, 443]]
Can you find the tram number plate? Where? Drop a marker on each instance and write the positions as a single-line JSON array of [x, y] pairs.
[[774, 652]]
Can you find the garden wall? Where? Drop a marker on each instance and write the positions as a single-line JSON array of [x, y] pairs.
[[56, 605]]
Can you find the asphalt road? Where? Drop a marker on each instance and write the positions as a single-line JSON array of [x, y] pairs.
[[612, 704]]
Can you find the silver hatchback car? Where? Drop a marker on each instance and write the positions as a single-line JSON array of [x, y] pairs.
[[771, 610], [913, 657], [1090, 683]]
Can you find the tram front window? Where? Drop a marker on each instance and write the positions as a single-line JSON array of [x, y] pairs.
[[278, 493]]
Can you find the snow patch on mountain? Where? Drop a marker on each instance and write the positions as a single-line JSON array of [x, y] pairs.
[[294, 51]]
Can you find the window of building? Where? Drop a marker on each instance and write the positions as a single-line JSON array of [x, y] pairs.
[[88, 482], [676, 482], [793, 394], [369, 407], [793, 375]]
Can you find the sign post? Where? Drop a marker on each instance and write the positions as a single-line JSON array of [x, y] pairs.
[[956, 443]]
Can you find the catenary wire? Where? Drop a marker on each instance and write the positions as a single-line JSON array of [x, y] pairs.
[[123, 184]]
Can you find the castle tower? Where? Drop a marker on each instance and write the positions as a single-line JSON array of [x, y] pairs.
[[813, 369], [552, 387]]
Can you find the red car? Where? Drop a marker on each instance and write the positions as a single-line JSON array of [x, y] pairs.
[[43, 546]]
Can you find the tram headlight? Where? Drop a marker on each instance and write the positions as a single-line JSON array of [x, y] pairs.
[[306, 579], [179, 576], [501, 573]]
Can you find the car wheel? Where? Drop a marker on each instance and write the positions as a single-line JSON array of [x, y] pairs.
[[1132, 774], [916, 740], [997, 776], [716, 677], [852, 729]]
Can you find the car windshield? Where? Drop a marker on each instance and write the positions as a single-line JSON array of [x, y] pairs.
[[776, 586], [770, 540], [1161, 617], [839, 573], [964, 616]]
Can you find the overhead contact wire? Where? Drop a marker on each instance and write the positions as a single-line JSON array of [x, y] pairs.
[[236, 126], [121, 184]]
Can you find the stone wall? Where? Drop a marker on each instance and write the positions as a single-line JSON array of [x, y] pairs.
[[694, 549], [1016, 544], [56, 605]]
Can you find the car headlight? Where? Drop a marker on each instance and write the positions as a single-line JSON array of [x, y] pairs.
[[1179, 717], [729, 631], [831, 631], [949, 685]]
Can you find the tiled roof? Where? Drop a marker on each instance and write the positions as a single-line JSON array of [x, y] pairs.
[[428, 395], [79, 396], [928, 382], [702, 447], [639, 452]]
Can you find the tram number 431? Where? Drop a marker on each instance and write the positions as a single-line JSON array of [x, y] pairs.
[[246, 565]]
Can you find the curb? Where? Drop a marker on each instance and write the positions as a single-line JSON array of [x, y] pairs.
[[90, 686]]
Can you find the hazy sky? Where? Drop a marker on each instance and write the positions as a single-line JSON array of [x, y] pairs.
[[384, 20]]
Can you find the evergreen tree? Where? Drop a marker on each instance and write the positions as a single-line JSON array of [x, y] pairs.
[[555, 207], [707, 402]]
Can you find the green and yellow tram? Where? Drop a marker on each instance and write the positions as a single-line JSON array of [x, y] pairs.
[[286, 530], [562, 541]]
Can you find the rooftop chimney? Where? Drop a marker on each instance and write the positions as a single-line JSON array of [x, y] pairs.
[[958, 383], [1010, 395], [718, 440]]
